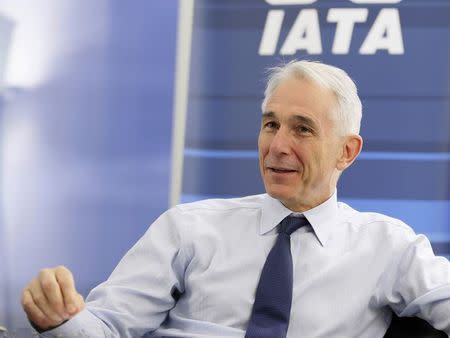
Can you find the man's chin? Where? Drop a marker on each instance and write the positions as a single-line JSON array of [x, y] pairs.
[[279, 194], [287, 196]]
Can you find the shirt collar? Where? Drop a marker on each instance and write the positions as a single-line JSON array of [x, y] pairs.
[[323, 218]]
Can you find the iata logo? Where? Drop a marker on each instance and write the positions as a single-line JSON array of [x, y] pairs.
[[385, 33]]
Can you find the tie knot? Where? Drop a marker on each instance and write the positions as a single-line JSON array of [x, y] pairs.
[[292, 223]]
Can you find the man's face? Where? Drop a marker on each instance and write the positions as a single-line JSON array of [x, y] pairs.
[[298, 145]]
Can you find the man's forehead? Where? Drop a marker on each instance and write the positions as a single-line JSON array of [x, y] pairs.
[[280, 108], [301, 97]]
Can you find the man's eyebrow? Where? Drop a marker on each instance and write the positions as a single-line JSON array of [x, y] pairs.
[[297, 118]]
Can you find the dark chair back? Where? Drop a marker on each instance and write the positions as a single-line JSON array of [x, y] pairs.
[[412, 327]]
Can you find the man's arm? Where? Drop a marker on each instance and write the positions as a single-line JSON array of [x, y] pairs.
[[418, 282], [137, 296]]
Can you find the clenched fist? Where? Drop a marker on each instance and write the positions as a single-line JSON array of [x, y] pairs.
[[51, 298]]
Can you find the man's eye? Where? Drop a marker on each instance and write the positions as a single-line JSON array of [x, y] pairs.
[[303, 129], [270, 125]]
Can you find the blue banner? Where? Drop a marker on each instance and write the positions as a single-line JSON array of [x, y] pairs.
[[398, 53]]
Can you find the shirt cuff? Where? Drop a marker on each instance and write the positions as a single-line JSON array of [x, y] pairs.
[[435, 295], [83, 324]]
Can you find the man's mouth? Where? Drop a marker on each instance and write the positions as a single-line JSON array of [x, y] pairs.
[[281, 170]]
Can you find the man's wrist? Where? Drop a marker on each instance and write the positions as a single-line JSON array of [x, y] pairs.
[[40, 330]]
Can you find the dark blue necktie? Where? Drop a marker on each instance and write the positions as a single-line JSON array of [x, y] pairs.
[[272, 306]]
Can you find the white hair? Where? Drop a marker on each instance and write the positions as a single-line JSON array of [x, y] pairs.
[[348, 110]]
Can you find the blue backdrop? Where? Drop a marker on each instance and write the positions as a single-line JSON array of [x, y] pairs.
[[397, 52]]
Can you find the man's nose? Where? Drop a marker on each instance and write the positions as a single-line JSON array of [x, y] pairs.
[[281, 142]]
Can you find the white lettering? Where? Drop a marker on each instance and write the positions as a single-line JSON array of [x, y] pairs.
[[304, 34], [345, 19], [386, 33], [271, 32]]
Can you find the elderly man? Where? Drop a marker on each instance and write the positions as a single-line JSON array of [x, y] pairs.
[[293, 262]]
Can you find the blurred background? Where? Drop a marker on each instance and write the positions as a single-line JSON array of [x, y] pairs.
[[85, 141], [87, 93]]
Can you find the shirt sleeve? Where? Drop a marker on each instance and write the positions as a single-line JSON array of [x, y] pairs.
[[140, 291], [418, 282]]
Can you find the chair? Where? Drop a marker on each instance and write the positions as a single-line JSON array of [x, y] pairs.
[[412, 327]]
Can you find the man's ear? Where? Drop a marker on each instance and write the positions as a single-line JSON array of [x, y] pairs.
[[351, 147]]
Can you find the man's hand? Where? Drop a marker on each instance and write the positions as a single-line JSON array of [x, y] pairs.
[[51, 298]]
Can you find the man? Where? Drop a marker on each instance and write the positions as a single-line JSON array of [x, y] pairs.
[[229, 268]]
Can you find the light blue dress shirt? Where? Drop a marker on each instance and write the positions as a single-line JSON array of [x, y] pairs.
[[350, 268]]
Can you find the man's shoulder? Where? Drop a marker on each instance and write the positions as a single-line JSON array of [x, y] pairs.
[[371, 219], [217, 213], [224, 204]]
